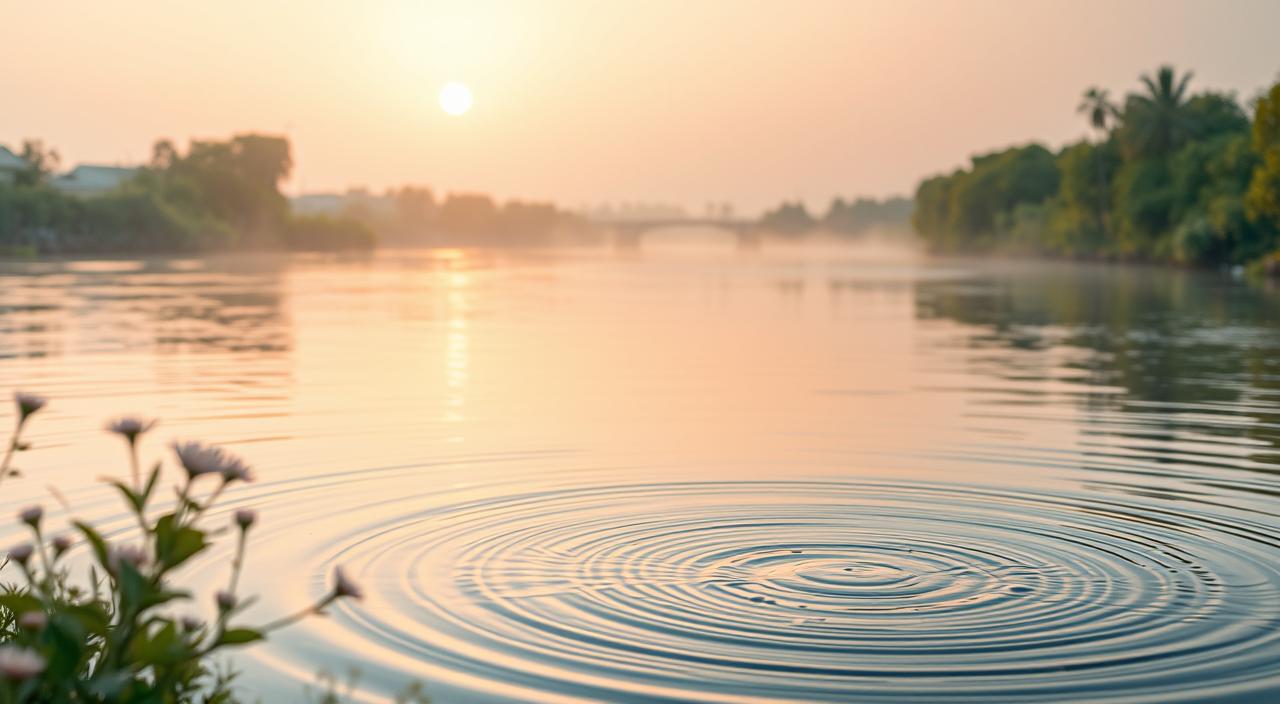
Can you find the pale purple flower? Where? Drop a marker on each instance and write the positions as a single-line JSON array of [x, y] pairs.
[[237, 470], [21, 553], [130, 427], [344, 587], [28, 404], [61, 544], [31, 515], [198, 459], [246, 517], [17, 664], [33, 621], [131, 554]]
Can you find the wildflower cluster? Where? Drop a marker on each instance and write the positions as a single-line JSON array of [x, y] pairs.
[[112, 635]]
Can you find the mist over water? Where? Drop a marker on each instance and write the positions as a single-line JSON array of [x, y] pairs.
[[691, 472]]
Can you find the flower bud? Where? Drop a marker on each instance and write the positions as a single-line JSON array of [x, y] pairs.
[[246, 517], [21, 553], [31, 515], [343, 586], [61, 544], [28, 404]]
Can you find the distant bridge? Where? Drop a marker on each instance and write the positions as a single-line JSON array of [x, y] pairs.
[[628, 232]]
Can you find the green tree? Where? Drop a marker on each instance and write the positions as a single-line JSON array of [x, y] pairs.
[[933, 198], [1080, 216], [1098, 106], [788, 218], [864, 215], [1263, 198], [1211, 114], [1155, 123], [237, 181], [1145, 198], [41, 161], [997, 183], [1209, 180]]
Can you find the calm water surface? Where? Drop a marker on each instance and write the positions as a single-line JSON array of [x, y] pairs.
[[700, 474]]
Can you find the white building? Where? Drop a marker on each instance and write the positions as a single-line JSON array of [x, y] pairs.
[[10, 165], [92, 180]]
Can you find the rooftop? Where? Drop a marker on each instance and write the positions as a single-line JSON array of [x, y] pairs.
[[10, 161]]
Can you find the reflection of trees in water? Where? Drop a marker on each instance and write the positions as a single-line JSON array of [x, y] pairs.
[[221, 307], [1176, 344], [226, 318]]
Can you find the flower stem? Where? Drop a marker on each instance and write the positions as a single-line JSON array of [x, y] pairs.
[[238, 563], [13, 446], [133, 464], [294, 618]]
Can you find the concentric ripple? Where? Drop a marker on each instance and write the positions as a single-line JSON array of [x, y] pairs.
[[735, 591]]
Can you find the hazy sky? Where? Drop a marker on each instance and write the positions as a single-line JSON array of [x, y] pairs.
[[682, 101]]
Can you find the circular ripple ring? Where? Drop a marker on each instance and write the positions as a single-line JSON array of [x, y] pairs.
[[828, 590]]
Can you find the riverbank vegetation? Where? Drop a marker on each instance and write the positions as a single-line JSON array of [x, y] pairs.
[[412, 216], [858, 217], [219, 195], [1172, 176]]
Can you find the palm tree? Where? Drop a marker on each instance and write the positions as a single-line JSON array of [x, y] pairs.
[[1098, 106], [1159, 117]]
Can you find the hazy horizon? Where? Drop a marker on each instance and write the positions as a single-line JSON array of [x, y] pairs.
[[746, 103]]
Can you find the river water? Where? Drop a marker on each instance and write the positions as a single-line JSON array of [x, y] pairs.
[[698, 473]]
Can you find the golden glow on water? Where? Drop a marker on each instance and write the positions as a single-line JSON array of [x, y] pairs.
[[457, 346]]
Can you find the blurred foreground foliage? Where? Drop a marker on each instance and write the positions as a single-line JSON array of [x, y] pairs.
[[85, 617]]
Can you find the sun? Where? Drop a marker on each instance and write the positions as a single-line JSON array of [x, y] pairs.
[[455, 98]]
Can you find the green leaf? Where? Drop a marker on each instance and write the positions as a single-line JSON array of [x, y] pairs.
[[92, 617], [151, 483], [161, 646], [66, 644], [175, 543], [239, 636], [20, 603], [162, 596], [134, 588], [96, 542], [135, 500], [108, 686]]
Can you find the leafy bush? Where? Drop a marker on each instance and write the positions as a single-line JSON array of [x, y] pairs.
[[1268, 266], [111, 635], [133, 218], [1193, 239]]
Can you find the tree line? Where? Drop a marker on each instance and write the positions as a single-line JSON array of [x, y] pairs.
[[218, 195], [413, 216], [1171, 176], [860, 216]]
